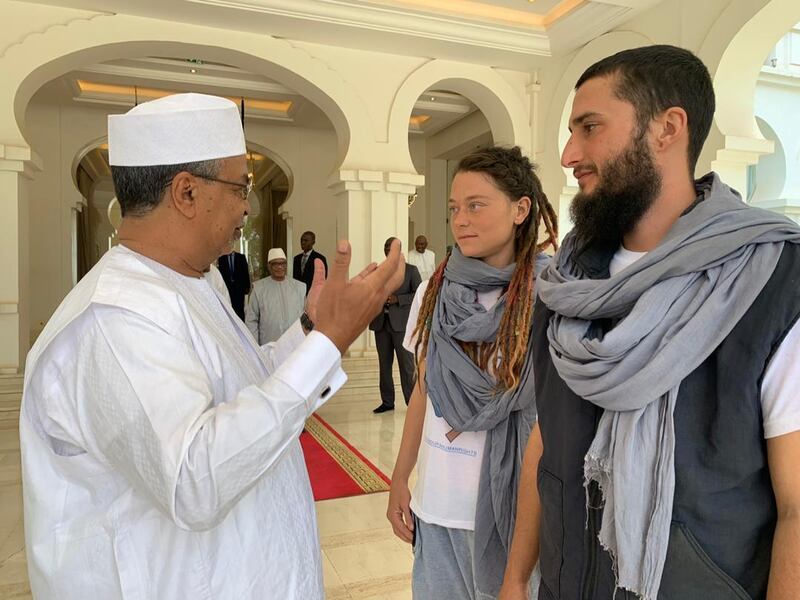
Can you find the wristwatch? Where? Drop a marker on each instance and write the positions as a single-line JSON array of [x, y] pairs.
[[306, 322]]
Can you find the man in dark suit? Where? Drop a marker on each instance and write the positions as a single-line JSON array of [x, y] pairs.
[[303, 268], [236, 274], [390, 328]]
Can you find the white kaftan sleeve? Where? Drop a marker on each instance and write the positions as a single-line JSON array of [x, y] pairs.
[[148, 409]]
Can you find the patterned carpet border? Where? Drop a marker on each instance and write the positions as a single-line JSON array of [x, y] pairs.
[[368, 477]]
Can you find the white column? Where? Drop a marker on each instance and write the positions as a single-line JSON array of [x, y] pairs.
[[737, 155], [371, 207], [16, 164], [436, 186]]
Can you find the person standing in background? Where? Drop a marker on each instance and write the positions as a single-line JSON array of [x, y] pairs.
[[389, 327], [303, 267], [236, 273], [422, 258], [276, 301]]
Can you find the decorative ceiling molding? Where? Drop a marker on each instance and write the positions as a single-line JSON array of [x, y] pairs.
[[416, 124], [508, 34], [517, 39], [127, 95], [200, 78], [121, 83], [588, 22], [531, 16]]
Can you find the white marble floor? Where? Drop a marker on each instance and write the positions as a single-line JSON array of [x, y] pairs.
[[362, 559], [13, 574]]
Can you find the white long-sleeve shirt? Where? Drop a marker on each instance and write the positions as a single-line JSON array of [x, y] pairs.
[[160, 453]]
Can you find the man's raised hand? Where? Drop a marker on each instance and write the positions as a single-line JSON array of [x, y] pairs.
[[345, 308]]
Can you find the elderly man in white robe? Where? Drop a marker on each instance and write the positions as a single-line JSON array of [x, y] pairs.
[[275, 301], [160, 452]]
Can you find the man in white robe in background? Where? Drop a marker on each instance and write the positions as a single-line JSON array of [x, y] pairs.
[[275, 302], [422, 258], [160, 453]]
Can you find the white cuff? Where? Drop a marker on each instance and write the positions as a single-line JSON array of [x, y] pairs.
[[313, 370]]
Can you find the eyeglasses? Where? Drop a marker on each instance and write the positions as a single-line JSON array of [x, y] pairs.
[[245, 188]]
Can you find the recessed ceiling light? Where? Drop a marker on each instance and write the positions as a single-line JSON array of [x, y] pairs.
[[193, 71], [433, 98]]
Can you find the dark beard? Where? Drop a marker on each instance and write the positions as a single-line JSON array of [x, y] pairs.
[[627, 188]]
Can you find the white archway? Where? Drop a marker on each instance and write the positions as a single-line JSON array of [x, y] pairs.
[[494, 96], [737, 45], [41, 57], [770, 171]]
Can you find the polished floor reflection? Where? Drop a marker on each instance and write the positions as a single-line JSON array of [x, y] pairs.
[[362, 560], [362, 557]]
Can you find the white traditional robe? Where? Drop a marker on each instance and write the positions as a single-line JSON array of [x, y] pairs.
[[273, 306], [425, 262], [160, 452], [215, 280]]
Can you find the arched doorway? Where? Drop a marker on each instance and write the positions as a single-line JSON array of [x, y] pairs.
[[740, 41], [64, 119], [266, 225]]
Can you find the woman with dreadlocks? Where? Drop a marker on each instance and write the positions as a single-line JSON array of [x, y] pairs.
[[473, 407]]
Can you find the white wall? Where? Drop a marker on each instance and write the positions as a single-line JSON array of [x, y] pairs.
[[57, 134], [418, 214], [778, 175]]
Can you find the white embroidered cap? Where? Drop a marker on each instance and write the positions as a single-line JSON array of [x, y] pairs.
[[176, 129], [276, 254]]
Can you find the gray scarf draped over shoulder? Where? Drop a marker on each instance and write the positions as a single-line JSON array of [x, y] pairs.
[[467, 398], [673, 307]]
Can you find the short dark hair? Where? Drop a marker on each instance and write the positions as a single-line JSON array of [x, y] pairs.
[[140, 189], [311, 233], [655, 78]]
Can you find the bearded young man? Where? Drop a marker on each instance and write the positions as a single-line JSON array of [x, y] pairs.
[[664, 461]]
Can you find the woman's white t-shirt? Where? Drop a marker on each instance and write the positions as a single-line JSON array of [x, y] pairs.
[[448, 473]]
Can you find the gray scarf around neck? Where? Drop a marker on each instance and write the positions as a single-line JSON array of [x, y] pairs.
[[672, 308], [467, 398]]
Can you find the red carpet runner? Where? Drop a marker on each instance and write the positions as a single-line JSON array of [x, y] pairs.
[[336, 469]]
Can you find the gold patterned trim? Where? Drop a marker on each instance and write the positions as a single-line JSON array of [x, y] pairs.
[[364, 475]]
